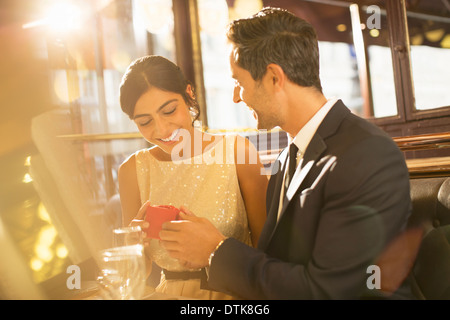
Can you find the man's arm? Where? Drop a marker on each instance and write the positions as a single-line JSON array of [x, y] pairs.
[[366, 204]]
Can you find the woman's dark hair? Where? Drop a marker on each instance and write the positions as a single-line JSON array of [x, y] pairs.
[[277, 36], [153, 71]]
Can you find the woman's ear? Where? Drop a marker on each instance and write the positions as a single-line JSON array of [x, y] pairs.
[[190, 91], [194, 109]]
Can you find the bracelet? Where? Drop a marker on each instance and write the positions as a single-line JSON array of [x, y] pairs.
[[214, 251]]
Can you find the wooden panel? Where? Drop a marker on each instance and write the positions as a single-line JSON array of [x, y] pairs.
[[429, 167]]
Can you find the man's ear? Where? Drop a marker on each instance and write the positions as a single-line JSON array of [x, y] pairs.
[[276, 76]]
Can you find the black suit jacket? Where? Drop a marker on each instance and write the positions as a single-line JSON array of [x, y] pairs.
[[348, 199]]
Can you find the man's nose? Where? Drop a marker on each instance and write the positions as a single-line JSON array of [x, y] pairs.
[[237, 94]]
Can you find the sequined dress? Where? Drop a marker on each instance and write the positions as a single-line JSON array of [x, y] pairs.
[[206, 184]]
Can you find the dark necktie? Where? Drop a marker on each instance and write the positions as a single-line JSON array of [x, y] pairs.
[[293, 149]]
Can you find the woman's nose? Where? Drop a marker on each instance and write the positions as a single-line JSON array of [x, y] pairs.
[[237, 94], [161, 127]]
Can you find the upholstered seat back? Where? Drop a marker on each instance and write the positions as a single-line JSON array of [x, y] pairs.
[[431, 210]]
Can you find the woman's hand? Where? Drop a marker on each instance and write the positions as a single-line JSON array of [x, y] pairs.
[[139, 219]]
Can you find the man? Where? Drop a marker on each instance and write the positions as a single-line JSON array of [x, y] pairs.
[[328, 222]]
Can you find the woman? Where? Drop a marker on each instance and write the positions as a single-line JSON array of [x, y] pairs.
[[186, 167]]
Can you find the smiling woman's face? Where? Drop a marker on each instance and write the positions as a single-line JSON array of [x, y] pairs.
[[160, 117]]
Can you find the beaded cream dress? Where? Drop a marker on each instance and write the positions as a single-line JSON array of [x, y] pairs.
[[206, 184]]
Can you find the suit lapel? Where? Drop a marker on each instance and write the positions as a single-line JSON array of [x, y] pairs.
[[317, 146], [312, 154], [315, 149]]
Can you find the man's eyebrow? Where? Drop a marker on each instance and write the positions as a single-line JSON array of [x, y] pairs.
[[159, 109]]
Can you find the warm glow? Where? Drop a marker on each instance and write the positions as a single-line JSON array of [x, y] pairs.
[[245, 8], [341, 27], [44, 241], [213, 16], [47, 235], [155, 15], [120, 60], [64, 16], [42, 213], [417, 40], [60, 16], [375, 33], [36, 264], [27, 178], [63, 91], [43, 253], [61, 251], [445, 43], [434, 35]]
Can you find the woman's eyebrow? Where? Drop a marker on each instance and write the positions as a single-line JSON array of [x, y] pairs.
[[159, 109]]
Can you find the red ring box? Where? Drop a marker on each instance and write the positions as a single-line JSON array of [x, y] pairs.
[[156, 216]]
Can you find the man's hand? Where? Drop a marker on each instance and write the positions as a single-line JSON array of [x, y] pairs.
[[191, 239]]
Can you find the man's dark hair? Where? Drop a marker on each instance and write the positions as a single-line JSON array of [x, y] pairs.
[[277, 36]]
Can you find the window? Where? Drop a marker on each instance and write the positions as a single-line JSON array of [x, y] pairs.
[[87, 67], [430, 56], [380, 66], [222, 112]]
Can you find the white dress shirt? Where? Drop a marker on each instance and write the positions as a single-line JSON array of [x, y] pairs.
[[302, 140]]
